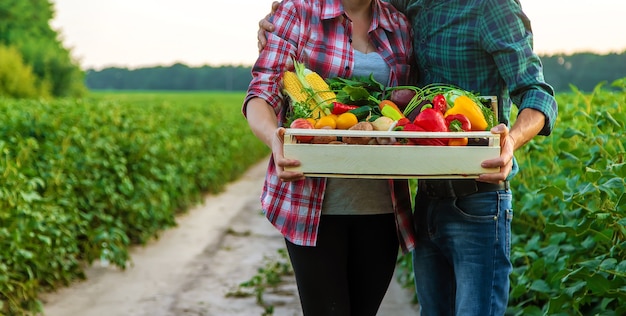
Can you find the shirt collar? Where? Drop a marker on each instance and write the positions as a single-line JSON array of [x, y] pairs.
[[380, 18]]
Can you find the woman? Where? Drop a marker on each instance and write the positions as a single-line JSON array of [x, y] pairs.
[[342, 235]]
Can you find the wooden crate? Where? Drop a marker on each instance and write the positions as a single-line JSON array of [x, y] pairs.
[[390, 161]]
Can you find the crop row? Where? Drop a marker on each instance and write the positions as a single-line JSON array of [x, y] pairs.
[[83, 180]]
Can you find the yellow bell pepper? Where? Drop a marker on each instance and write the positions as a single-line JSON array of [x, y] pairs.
[[464, 105]]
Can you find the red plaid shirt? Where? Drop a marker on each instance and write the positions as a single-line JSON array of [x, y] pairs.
[[317, 33]]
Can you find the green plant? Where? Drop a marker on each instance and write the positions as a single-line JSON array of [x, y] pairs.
[[84, 179], [270, 276], [17, 79], [569, 253], [569, 230]]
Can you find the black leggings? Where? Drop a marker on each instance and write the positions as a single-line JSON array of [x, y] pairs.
[[349, 270]]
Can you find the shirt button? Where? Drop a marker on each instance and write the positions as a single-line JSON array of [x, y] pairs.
[[347, 67], [350, 40]]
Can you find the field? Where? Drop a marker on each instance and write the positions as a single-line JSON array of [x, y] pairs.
[[82, 180], [85, 179]]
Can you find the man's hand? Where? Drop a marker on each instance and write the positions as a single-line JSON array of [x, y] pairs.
[[527, 125], [266, 26], [505, 161]]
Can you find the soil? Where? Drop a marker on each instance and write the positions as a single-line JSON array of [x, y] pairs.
[[190, 269]]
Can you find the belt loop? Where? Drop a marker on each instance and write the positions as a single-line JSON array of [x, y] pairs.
[[449, 189]]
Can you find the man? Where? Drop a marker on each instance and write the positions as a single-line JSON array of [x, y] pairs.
[[461, 261]]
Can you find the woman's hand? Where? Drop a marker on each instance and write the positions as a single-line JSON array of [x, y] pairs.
[[266, 26], [281, 162]]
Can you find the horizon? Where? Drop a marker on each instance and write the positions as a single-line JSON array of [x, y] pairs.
[[152, 33], [250, 65]]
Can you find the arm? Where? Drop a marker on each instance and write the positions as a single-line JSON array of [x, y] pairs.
[[264, 101], [263, 123], [528, 124], [508, 38], [266, 26]]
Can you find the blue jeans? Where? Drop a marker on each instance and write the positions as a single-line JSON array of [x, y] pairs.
[[461, 261]]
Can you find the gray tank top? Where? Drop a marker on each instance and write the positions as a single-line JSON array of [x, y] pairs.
[[372, 63], [360, 196]]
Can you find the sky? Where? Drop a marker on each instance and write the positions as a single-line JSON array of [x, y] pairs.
[[145, 33]]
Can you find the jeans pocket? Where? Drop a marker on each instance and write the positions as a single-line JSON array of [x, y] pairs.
[[478, 207]]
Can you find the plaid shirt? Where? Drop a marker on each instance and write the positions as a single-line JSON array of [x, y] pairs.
[[483, 46], [317, 33]]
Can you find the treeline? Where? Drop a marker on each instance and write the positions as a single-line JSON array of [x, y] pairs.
[[175, 77], [583, 70], [33, 61]]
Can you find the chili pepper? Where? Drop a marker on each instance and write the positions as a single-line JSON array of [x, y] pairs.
[[385, 103], [391, 113], [464, 105], [439, 103], [390, 109], [339, 108]]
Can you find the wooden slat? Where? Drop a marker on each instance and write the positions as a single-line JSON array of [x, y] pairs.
[[390, 161]]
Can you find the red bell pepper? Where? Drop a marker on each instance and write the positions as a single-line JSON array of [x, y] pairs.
[[431, 120], [403, 121], [428, 120], [410, 127], [339, 108], [458, 123]]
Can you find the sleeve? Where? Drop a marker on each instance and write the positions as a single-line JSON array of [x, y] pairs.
[[507, 36], [275, 57]]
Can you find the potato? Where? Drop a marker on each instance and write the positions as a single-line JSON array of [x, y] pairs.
[[385, 140], [323, 139], [360, 126]]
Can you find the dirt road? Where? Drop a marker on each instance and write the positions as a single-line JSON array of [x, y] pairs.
[[189, 270]]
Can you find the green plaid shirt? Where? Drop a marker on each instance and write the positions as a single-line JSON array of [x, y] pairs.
[[483, 46]]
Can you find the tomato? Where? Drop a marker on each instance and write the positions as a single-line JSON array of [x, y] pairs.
[[302, 123]]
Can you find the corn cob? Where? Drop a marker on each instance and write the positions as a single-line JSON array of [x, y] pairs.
[[299, 96], [293, 88], [318, 88]]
